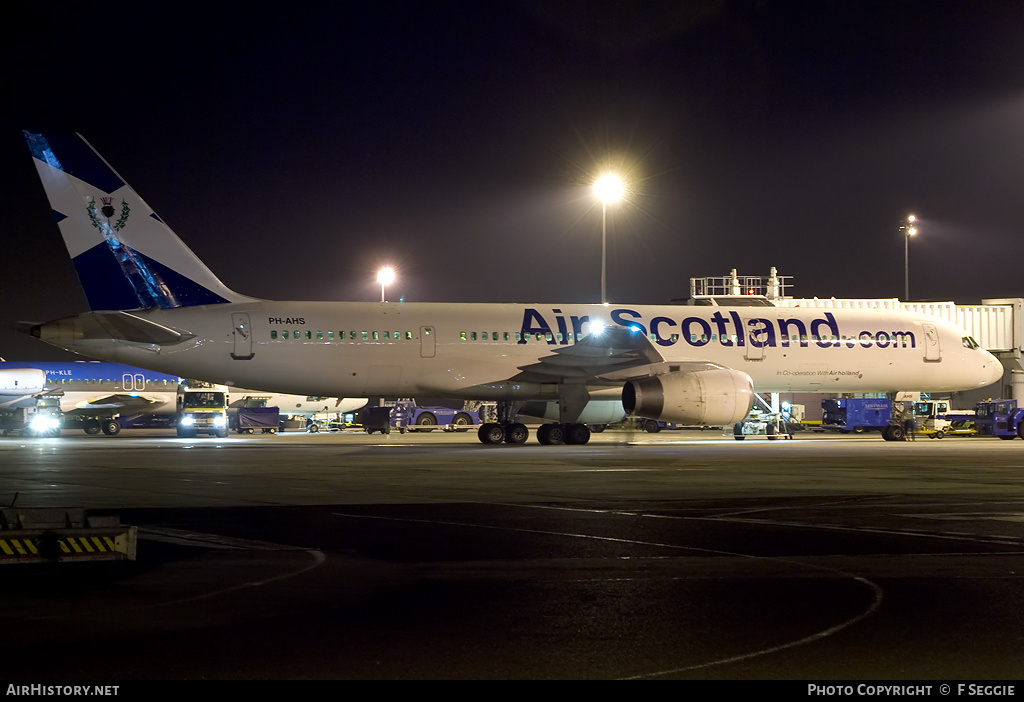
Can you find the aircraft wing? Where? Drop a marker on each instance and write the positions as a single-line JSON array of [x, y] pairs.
[[599, 354], [121, 402]]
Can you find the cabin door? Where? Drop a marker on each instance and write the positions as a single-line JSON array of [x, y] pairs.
[[241, 341], [932, 349], [428, 344], [756, 341]]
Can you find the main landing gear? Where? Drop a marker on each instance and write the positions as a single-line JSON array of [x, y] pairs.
[[547, 434]]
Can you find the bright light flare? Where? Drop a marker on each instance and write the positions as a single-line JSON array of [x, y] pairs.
[[609, 188], [385, 276]]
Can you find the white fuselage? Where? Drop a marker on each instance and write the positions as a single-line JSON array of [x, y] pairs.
[[476, 351]]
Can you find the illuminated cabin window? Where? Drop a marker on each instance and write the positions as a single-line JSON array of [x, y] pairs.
[[462, 336], [408, 335], [376, 336], [517, 335], [319, 335], [330, 336], [365, 335]]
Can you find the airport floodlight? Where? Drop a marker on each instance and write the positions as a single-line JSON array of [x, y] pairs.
[[908, 230], [609, 188], [385, 276]]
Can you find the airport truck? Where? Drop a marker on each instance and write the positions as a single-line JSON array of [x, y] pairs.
[[202, 409], [249, 420], [1000, 418], [937, 418], [44, 418], [406, 415], [856, 414]]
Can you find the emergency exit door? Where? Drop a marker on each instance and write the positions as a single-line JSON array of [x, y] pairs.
[[241, 342]]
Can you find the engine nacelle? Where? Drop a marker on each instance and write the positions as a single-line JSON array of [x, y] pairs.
[[718, 397], [22, 381]]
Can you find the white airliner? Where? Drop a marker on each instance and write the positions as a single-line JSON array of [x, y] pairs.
[[156, 305], [93, 395]]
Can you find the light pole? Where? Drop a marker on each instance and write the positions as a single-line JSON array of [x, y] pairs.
[[908, 230], [609, 188], [385, 276]]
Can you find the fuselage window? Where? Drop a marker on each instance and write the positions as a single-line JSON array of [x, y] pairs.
[[366, 335], [273, 333], [376, 336], [408, 335], [284, 334], [309, 334], [330, 336], [472, 336], [352, 335], [319, 335], [483, 336], [462, 336], [506, 336]]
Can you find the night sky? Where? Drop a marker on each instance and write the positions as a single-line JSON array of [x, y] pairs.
[[296, 147]]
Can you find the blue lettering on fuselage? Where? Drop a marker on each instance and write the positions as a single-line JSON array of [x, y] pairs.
[[725, 329]]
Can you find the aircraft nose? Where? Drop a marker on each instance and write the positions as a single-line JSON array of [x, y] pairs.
[[992, 370]]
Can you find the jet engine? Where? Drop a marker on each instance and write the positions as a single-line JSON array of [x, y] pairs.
[[22, 381], [718, 397]]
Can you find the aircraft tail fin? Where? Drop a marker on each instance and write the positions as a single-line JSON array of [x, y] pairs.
[[125, 256]]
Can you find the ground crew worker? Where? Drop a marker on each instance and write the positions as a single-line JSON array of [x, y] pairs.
[[909, 423]]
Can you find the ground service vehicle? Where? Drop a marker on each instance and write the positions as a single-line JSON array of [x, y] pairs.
[[856, 414], [1000, 418], [202, 409], [267, 420], [42, 419]]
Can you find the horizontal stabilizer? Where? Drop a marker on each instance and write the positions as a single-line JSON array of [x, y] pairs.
[[128, 327]]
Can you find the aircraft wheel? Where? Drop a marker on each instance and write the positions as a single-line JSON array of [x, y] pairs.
[[551, 434], [516, 433], [111, 427], [491, 433], [577, 434]]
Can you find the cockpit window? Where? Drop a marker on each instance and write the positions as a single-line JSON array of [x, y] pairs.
[[970, 343]]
